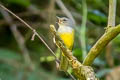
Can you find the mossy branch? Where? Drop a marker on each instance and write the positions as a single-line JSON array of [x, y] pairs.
[[110, 34], [81, 72]]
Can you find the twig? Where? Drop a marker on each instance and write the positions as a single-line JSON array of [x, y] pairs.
[[19, 38], [112, 13], [100, 44], [65, 10], [34, 31]]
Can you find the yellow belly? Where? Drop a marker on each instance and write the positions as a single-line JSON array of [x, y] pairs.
[[68, 39]]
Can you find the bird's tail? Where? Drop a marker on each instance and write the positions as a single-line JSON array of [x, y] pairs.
[[63, 63]]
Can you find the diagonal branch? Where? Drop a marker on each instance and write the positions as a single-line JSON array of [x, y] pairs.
[[34, 31], [100, 44]]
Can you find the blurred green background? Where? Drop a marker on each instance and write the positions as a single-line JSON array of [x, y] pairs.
[[23, 59]]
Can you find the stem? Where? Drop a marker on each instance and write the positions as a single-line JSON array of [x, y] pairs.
[[112, 12], [83, 29]]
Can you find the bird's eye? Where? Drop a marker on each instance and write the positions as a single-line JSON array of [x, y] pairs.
[[64, 19]]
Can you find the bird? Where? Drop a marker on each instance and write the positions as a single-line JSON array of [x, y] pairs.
[[66, 32]]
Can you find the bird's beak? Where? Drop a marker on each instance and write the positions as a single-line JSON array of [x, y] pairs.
[[58, 19]]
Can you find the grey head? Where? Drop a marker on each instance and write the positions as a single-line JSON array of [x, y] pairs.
[[64, 21]]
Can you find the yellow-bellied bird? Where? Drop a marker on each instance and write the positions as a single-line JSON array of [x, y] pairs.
[[66, 33]]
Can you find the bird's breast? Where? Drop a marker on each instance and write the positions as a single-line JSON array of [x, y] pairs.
[[63, 29], [67, 35]]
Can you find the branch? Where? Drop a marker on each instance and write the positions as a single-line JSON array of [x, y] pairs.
[[100, 44], [81, 72], [34, 31]]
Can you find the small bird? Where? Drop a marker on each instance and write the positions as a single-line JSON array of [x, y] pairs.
[[66, 33]]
